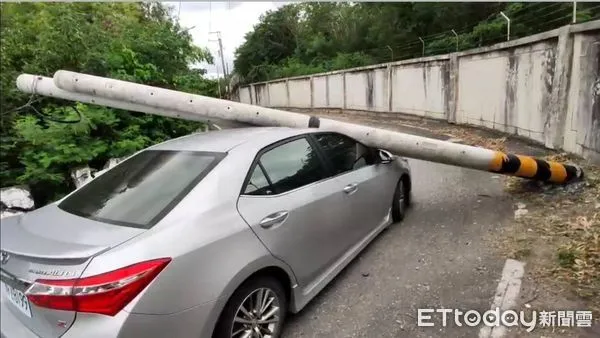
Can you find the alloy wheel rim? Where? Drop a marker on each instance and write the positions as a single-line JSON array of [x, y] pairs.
[[257, 316]]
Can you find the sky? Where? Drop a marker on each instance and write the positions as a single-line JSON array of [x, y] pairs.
[[232, 19]]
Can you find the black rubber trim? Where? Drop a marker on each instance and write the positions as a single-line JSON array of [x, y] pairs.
[[571, 172], [543, 170], [511, 165], [314, 122]]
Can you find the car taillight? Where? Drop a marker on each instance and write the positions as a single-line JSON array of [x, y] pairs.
[[107, 293]]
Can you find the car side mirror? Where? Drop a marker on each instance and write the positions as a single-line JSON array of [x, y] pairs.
[[385, 156]]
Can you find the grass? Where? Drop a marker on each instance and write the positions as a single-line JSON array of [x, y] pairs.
[[566, 257], [560, 236]]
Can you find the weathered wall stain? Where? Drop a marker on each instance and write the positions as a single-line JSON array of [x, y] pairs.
[[549, 66], [260, 91], [425, 68], [370, 75], [327, 90], [595, 126], [527, 79], [388, 88], [511, 90], [589, 94], [447, 87]]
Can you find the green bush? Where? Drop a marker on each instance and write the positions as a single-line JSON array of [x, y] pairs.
[[137, 42]]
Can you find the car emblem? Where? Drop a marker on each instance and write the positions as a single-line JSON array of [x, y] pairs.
[[4, 257]]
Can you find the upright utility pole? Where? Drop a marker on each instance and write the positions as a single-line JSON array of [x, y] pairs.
[[225, 75], [221, 51], [218, 83]]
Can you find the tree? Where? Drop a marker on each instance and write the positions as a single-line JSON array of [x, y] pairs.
[[137, 42], [304, 38]]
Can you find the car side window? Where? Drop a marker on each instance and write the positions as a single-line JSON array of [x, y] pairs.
[[258, 183], [344, 153], [292, 165]]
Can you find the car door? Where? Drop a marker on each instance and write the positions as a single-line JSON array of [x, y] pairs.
[[358, 172], [296, 209]]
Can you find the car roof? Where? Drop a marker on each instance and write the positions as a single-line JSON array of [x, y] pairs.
[[227, 139]]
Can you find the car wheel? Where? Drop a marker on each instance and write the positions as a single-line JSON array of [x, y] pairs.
[[401, 199], [256, 309]]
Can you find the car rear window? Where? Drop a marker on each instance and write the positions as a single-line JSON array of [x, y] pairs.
[[141, 190]]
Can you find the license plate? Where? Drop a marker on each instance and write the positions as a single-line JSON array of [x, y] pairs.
[[17, 298]]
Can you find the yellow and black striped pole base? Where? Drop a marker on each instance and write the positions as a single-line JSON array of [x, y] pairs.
[[534, 168]]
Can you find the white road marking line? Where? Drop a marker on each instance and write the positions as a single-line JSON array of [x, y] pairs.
[[506, 295]]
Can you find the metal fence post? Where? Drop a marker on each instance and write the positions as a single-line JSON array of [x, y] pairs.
[[507, 26]]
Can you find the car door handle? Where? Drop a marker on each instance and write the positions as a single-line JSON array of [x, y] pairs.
[[273, 219], [350, 188]]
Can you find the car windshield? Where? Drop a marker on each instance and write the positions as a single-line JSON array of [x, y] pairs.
[[141, 190]]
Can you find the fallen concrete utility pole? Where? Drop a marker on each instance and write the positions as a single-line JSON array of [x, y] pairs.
[[153, 100], [44, 86]]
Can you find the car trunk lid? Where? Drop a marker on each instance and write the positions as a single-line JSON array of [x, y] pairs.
[[50, 243]]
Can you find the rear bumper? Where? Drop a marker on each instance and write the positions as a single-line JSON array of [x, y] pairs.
[[198, 321], [10, 325], [194, 322]]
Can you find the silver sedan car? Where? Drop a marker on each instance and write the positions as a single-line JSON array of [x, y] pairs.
[[218, 234]]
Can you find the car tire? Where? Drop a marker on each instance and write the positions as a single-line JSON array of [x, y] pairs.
[[244, 296], [401, 199]]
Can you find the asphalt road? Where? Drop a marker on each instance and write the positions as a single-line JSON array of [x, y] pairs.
[[438, 257]]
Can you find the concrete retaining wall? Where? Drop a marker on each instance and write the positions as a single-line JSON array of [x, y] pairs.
[[544, 87], [508, 90]]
